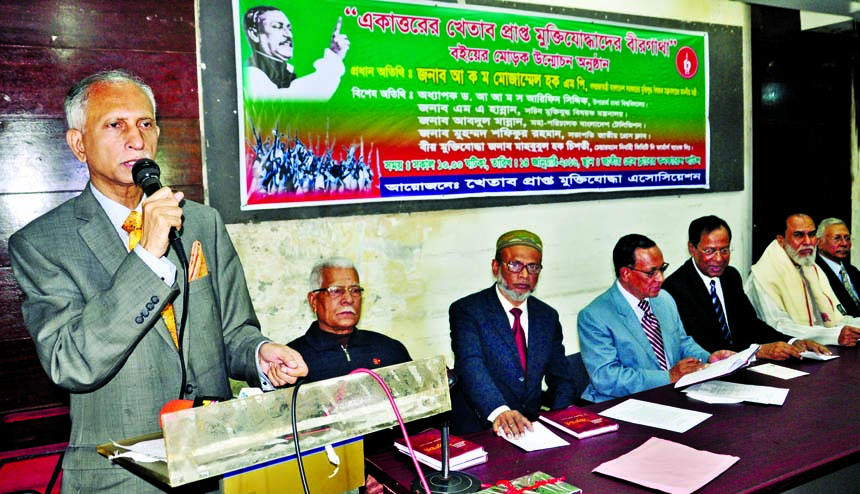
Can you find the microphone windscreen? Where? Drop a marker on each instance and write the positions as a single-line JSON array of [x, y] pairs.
[[174, 406], [146, 175]]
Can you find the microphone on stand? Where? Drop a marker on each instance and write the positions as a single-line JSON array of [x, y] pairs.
[[446, 481]]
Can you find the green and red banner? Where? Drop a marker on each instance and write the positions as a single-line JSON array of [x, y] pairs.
[[409, 101]]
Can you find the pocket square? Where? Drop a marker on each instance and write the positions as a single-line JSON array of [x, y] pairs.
[[197, 264]]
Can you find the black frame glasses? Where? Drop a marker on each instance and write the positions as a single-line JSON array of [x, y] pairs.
[[517, 267], [662, 269]]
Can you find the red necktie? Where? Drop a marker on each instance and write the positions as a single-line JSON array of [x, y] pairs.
[[520, 336]]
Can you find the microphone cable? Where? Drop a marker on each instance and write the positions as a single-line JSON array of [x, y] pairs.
[[180, 332], [294, 422], [388, 394]]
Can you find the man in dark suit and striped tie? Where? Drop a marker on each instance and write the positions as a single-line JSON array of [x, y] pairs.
[[631, 337], [834, 248], [711, 300]]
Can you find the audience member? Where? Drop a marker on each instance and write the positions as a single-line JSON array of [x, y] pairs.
[[711, 300], [834, 242], [631, 337], [506, 342], [334, 346], [792, 294]]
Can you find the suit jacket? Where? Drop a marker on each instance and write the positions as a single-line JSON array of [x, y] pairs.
[[616, 352], [84, 295], [851, 309], [700, 319], [487, 363]]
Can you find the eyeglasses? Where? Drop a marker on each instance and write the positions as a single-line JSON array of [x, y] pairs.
[[725, 251], [517, 266], [662, 269], [336, 291]]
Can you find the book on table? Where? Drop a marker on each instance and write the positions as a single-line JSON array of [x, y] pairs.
[[533, 483], [428, 450], [579, 422]]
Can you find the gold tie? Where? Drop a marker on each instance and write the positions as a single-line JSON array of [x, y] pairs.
[[132, 225]]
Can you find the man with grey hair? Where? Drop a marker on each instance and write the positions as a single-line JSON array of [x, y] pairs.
[[792, 294], [333, 345], [834, 249], [104, 296]]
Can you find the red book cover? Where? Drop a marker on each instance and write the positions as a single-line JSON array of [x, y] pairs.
[[579, 422], [428, 449]]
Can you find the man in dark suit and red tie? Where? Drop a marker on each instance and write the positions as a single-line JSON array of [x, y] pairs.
[[834, 249], [711, 300], [506, 342]]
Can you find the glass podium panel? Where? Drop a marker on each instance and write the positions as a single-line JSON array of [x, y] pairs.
[[224, 437]]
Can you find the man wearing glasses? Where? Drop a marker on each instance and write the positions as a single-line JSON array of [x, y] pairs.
[[834, 250], [791, 293], [333, 346], [631, 336], [506, 342], [711, 300]]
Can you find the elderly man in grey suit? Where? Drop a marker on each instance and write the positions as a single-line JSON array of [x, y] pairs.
[[102, 292]]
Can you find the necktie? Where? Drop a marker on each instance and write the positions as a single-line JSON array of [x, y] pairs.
[[132, 225], [721, 316], [520, 336], [847, 282], [652, 330]]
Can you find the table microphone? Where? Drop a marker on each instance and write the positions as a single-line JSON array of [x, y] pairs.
[[447, 481]]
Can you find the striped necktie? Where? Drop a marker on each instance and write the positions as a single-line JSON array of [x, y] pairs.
[[847, 282], [652, 330], [721, 316], [133, 225]]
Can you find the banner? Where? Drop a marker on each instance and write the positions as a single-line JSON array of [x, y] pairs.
[[345, 102]]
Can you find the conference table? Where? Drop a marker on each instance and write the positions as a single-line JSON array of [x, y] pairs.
[[814, 433]]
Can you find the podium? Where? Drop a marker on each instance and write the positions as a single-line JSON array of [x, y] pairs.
[[234, 435]]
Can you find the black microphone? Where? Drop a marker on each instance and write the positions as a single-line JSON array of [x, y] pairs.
[[146, 175]]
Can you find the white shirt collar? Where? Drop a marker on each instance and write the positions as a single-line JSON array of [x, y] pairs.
[[633, 301], [707, 279]]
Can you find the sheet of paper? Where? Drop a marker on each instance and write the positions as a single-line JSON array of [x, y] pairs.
[[654, 415], [538, 439], [817, 356], [717, 390], [778, 371], [668, 466], [144, 451], [720, 368]]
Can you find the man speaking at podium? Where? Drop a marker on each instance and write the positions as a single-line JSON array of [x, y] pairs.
[[103, 292]]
